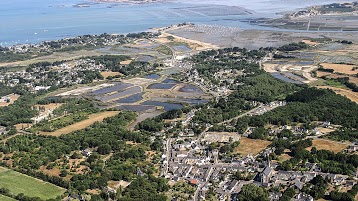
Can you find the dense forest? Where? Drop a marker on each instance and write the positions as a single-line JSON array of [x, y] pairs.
[[311, 104]]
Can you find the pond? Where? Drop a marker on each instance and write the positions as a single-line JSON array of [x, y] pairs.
[[181, 100], [145, 58], [131, 99], [284, 78], [166, 106], [116, 87], [152, 76], [161, 86], [170, 81], [136, 108], [182, 48], [130, 91], [190, 88]]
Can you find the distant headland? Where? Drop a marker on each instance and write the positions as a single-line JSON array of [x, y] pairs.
[[128, 1]]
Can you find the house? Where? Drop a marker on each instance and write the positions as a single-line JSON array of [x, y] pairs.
[[86, 152], [232, 185], [303, 197], [193, 182], [352, 148], [274, 196], [298, 184], [331, 177]]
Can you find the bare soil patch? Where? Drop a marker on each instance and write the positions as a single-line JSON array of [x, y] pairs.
[[106, 74], [222, 136], [13, 98], [50, 106], [83, 124], [251, 146], [22, 126], [309, 42], [284, 157], [117, 184], [126, 62], [53, 172]]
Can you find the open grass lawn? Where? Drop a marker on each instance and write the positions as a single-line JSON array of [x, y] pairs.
[[19, 183], [251, 146], [4, 198]]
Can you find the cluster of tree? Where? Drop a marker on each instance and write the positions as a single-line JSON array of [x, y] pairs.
[[345, 196], [9, 56], [6, 90], [345, 42], [265, 88], [345, 81], [112, 62], [19, 112], [288, 194], [311, 104], [251, 192], [55, 99], [246, 176], [76, 105], [329, 70], [259, 133], [294, 47], [316, 187], [344, 135], [328, 161], [207, 63], [11, 130], [224, 109]]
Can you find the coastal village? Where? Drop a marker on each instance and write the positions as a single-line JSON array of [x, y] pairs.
[[158, 116]]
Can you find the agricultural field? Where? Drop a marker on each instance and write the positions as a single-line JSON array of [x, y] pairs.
[[251, 146], [327, 145], [341, 68], [4, 198], [82, 124], [19, 183]]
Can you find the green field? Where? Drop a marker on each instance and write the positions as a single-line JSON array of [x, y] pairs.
[[4, 198], [19, 183]]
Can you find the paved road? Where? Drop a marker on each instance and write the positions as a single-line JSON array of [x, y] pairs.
[[167, 154]]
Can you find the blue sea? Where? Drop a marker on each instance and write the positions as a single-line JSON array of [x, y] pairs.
[[32, 21]]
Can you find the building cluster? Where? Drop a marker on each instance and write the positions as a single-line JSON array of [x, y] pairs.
[[67, 43], [190, 158], [42, 77]]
